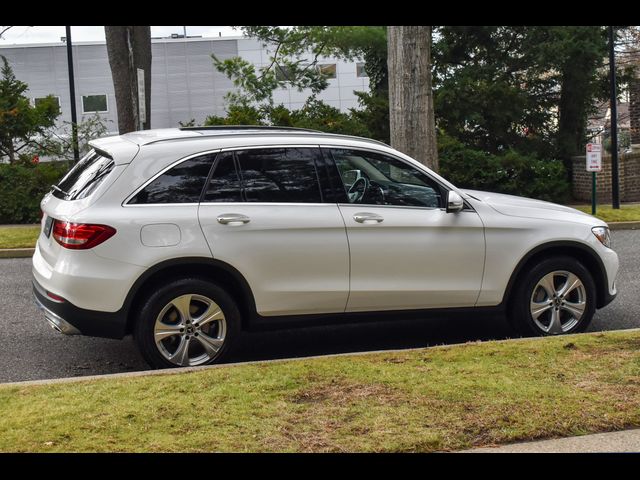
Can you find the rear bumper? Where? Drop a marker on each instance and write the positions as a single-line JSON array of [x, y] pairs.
[[66, 318]]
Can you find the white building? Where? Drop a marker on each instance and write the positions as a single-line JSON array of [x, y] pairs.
[[185, 84]]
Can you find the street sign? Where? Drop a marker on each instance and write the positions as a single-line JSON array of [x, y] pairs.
[[142, 105], [594, 157]]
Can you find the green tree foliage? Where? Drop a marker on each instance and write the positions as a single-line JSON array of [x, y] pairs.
[[525, 88], [22, 125], [58, 144], [22, 186], [508, 172], [315, 115], [295, 53]]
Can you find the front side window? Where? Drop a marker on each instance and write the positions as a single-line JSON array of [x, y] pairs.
[[180, 184], [376, 179], [279, 175]]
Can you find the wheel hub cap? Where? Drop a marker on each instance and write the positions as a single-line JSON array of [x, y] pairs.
[[558, 302], [190, 330]]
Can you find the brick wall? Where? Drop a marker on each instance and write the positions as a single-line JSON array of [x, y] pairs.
[[628, 173]]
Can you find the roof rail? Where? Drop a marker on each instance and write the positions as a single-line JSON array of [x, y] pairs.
[[248, 127]]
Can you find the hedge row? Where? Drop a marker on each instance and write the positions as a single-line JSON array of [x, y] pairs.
[[22, 188], [511, 172]]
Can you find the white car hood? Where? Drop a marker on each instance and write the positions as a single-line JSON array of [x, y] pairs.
[[527, 207]]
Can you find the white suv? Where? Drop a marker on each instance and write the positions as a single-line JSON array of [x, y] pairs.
[[185, 237]]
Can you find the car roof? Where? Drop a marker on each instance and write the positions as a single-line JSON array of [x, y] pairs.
[[146, 137]]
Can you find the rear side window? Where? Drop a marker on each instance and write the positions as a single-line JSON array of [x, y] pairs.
[[85, 177], [180, 184], [279, 175]]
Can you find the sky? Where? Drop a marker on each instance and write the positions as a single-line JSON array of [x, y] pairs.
[[52, 34]]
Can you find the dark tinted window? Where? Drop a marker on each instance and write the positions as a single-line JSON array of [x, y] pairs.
[[225, 183], [377, 179], [181, 184], [280, 175], [85, 177]]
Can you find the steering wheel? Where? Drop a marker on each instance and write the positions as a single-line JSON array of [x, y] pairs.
[[354, 193]]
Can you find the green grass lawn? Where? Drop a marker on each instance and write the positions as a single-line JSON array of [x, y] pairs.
[[626, 213], [413, 401], [19, 237]]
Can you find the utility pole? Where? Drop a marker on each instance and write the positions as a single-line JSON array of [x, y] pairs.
[[72, 98], [615, 180]]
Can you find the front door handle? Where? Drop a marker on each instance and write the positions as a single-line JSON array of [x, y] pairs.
[[232, 219], [368, 218]]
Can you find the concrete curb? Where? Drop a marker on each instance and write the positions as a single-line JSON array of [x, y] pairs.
[[177, 371], [624, 225], [606, 442], [28, 252], [16, 252]]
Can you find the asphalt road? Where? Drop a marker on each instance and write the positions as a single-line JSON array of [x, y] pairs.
[[31, 350]]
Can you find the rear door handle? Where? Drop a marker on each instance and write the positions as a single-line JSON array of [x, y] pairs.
[[365, 217], [233, 219]]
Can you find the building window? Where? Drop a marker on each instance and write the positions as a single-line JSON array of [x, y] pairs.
[[94, 103], [360, 71], [327, 69], [282, 73], [38, 100]]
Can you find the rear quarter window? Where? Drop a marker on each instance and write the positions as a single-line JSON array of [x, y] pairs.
[[83, 179], [180, 184]]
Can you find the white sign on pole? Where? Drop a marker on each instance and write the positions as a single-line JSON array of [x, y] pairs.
[[594, 157], [142, 104]]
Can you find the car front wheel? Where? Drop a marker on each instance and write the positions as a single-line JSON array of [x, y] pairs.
[[557, 296]]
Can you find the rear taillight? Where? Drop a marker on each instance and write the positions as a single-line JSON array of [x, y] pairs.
[[81, 236]]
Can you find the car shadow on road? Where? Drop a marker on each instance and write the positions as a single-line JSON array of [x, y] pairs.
[[367, 336]]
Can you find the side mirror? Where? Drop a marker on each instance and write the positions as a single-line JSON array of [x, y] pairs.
[[455, 203]]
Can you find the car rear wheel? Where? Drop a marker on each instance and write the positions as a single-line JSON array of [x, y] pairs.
[[188, 322], [557, 296]]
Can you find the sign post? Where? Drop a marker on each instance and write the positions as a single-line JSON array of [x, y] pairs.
[[594, 164]]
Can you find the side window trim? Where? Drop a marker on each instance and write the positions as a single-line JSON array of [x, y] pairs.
[[125, 202]]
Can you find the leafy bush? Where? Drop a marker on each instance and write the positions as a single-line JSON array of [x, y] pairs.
[[511, 172], [22, 187], [315, 115]]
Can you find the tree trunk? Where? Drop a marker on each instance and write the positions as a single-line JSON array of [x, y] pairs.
[[129, 48], [411, 116]]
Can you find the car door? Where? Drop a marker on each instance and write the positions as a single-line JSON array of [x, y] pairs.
[[406, 251], [263, 214]]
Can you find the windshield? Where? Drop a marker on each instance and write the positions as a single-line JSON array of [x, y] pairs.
[[85, 177]]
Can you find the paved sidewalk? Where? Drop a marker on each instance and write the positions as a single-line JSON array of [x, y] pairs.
[[613, 442]]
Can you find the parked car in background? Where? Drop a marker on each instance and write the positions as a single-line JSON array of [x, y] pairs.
[[184, 237]]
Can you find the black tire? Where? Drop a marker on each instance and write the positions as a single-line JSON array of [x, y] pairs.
[[520, 314], [227, 329]]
